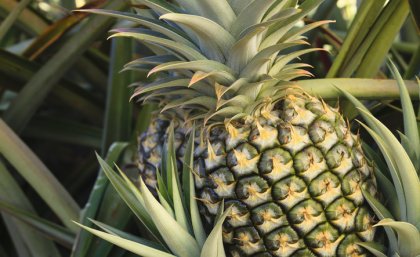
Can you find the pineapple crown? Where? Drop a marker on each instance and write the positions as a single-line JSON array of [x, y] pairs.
[[218, 60]]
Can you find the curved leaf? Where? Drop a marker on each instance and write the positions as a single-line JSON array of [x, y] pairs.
[[408, 236], [250, 15], [213, 247], [125, 235], [410, 119], [131, 246], [375, 249], [38, 176], [284, 60], [187, 51], [407, 172], [207, 30], [170, 32], [222, 72], [178, 239], [159, 6]]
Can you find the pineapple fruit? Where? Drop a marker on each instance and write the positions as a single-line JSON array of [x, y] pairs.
[[285, 161]]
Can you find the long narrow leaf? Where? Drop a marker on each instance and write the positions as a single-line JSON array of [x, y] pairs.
[[84, 239], [50, 230], [126, 194], [10, 20], [131, 246], [382, 213], [375, 249], [197, 224], [38, 87], [118, 109], [410, 119], [177, 238], [29, 21], [120, 233], [26, 241], [408, 236], [388, 27], [161, 27], [213, 247], [365, 17], [38, 176], [407, 172]]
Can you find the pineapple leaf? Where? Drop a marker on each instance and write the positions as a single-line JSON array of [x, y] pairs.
[[11, 17], [206, 101], [383, 34], [120, 233], [25, 239], [159, 6], [187, 51], [165, 204], [59, 234], [282, 61], [277, 19], [83, 243], [362, 23], [197, 224], [160, 84], [131, 186], [154, 59], [129, 245], [213, 247], [410, 119], [405, 169], [179, 208], [278, 7], [31, 97], [239, 5], [254, 67], [408, 236], [224, 73], [178, 239], [226, 111], [382, 213], [170, 32], [376, 158], [295, 34], [216, 10], [410, 148], [162, 189], [402, 200], [376, 249], [129, 198], [244, 50], [239, 100], [206, 30], [188, 163], [250, 15], [386, 186], [38, 175], [277, 32]]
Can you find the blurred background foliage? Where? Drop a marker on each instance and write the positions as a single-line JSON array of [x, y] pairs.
[[63, 97]]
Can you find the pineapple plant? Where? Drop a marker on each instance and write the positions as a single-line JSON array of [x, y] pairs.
[[285, 162], [170, 223]]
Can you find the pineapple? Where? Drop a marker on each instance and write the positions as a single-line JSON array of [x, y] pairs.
[[150, 148], [284, 161]]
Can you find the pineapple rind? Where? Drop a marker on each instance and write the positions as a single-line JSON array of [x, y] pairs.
[[316, 207]]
